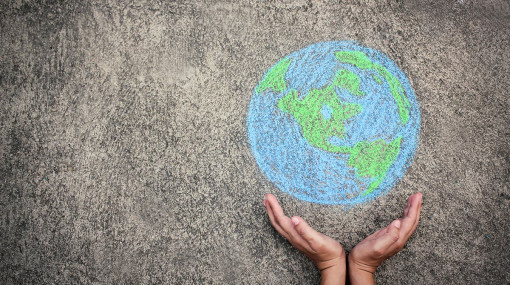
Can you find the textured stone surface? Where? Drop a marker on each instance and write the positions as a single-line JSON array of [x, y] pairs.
[[125, 159]]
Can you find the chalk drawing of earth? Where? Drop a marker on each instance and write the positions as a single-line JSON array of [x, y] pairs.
[[334, 123]]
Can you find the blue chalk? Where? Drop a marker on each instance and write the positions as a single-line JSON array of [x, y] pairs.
[[313, 174]]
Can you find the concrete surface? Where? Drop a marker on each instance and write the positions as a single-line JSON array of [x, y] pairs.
[[124, 153]]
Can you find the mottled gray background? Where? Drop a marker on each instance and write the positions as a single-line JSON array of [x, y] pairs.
[[125, 158]]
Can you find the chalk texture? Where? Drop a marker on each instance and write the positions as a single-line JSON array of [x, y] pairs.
[[324, 130], [124, 157]]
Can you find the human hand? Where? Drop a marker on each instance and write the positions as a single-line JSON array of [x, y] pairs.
[[381, 245], [326, 253]]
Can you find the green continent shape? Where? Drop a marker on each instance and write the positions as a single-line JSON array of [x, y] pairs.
[[361, 60], [307, 112], [348, 80], [373, 159], [275, 77]]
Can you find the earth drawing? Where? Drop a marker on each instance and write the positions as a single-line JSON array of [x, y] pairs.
[[334, 123]]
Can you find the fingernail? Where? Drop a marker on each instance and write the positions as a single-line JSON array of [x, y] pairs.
[[295, 221], [264, 202], [397, 224]]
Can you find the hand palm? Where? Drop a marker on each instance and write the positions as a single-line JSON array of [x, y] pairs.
[[386, 242], [324, 251], [327, 253]]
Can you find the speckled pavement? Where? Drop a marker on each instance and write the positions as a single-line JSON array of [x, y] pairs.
[[124, 157]]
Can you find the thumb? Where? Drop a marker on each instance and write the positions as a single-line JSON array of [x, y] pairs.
[[385, 241], [305, 231]]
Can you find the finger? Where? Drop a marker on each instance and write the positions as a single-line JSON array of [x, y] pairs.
[[385, 243], [416, 214], [273, 220], [311, 236], [409, 204], [417, 221], [285, 224], [279, 216], [409, 220]]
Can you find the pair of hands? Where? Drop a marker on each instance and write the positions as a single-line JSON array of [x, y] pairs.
[[329, 256]]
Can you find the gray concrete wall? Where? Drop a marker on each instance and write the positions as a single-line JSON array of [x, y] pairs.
[[125, 159]]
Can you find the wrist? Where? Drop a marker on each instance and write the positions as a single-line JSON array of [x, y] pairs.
[[334, 275], [337, 262], [359, 273]]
